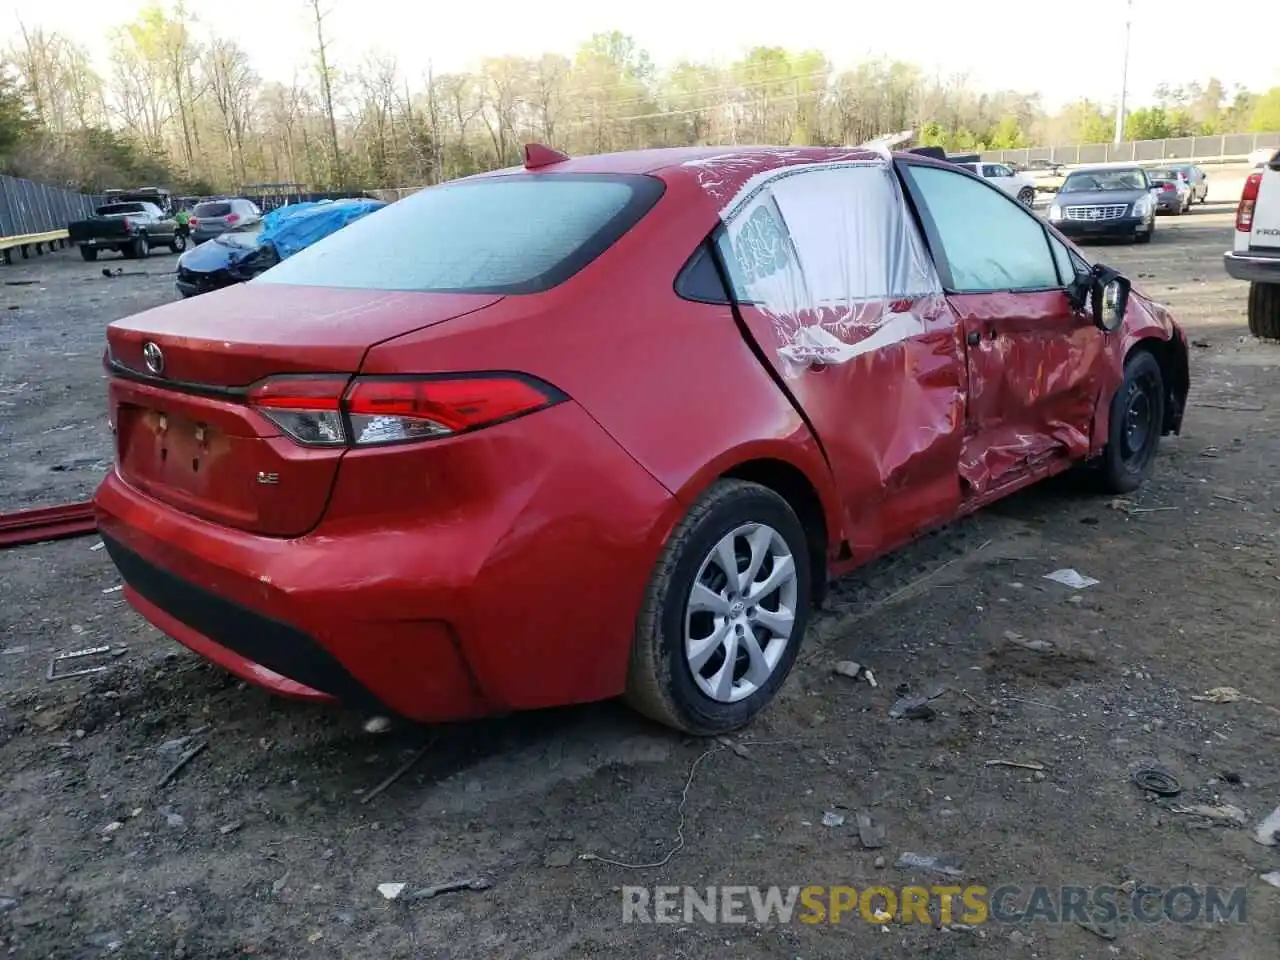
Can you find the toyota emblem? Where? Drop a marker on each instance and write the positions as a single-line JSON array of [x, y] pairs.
[[154, 357]]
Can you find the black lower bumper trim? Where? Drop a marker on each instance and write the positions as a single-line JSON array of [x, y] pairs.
[[275, 645]]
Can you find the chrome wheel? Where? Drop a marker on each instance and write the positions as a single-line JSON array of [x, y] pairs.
[[741, 612]]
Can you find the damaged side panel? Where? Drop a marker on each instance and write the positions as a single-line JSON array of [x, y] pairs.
[[834, 284]]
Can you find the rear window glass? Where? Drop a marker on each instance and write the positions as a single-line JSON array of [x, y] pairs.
[[111, 209], [511, 234], [212, 209]]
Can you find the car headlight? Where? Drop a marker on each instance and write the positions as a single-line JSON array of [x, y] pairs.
[[1143, 206], [1055, 211]]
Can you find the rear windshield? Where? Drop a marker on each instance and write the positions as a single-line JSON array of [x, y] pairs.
[[211, 210], [522, 233], [113, 209], [1087, 181]]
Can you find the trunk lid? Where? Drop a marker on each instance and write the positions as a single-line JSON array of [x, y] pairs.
[[186, 436]]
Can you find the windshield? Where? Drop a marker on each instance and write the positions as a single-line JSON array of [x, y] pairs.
[[115, 209], [520, 233], [1089, 181]]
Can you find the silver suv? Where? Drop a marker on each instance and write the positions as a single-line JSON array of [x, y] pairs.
[[212, 218]]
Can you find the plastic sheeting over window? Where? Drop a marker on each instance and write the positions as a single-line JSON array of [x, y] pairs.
[[830, 252], [298, 226]]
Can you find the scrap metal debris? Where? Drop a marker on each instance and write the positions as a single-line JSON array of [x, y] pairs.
[[915, 706], [399, 772], [1272, 878], [1036, 646], [1155, 780], [1218, 813], [921, 861], [871, 834], [182, 762], [451, 886], [391, 891], [1268, 832], [1018, 764], [106, 650]]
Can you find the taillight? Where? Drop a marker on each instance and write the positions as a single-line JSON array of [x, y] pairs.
[[324, 411], [1248, 200], [192, 221], [1168, 188], [308, 409], [232, 218], [125, 221]]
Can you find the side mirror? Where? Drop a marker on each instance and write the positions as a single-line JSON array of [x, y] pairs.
[[1109, 296]]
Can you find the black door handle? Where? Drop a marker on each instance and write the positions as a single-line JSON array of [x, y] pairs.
[[974, 338]]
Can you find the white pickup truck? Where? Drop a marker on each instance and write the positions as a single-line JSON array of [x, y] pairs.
[[1255, 254]]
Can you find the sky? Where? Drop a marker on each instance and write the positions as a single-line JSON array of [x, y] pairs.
[[1064, 49]]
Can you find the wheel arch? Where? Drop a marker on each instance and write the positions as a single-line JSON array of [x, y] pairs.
[[1171, 354], [793, 485]]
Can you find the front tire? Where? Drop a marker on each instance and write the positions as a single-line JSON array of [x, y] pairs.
[[89, 253], [712, 645], [1137, 421], [1264, 310]]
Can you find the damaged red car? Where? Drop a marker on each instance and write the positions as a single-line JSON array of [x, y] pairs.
[[607, 426]]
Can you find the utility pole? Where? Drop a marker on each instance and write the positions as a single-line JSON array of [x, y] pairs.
[[1124, 77]]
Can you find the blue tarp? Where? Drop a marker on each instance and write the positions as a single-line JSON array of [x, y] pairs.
[[299, 225]]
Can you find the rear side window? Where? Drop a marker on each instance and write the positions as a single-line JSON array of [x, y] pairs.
[[114, 209], [211, 209], [516, 234]]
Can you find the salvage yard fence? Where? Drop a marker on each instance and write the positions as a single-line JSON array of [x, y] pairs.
[[1220, 148], [27, 207]]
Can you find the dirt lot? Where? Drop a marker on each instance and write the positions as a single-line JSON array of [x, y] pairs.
[[261, 845]]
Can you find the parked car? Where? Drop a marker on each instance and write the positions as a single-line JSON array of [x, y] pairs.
[[212, 218], [248, 249], [1110, 201], [1196, 180], [1019, 185], [1261, 157], [1172, 193], [131, 227], [1044, 166], [437, 465], [1255, 252]]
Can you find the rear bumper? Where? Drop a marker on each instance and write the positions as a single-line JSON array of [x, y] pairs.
[[1121, 227], [1169, 204], [1253, 267], [525, 597]]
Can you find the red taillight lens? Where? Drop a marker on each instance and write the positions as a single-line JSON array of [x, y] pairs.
[[192, 221], [232, 217], [1248, 200], [125, 221], [388, 410], [308, 409], [1168, 188], [374, 410]]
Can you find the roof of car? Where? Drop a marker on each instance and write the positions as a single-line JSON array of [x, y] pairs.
[[668, 158]]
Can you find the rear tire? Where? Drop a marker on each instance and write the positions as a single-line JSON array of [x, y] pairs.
[[140, 248], [89, 253], [1027, 196], [1264, 310], [1137, 421], [706, 669], [178, 244]]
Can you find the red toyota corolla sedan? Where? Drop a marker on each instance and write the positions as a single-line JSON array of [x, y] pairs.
[[607, 425]]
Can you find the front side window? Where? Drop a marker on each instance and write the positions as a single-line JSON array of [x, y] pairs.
[[522, 233], [990, 242]]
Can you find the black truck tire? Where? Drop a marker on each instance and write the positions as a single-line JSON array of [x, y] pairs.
[[140, 247], [1264, 310], [89, 253]]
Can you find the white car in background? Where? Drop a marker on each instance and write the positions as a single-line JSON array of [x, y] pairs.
[[1015, 184], [1255, 254]]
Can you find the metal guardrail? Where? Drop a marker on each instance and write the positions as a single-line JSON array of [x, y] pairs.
[[1220, 148]]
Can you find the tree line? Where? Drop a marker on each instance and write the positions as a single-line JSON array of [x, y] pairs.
[[180, 106]]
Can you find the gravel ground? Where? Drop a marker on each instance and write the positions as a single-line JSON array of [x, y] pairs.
[[261, 846]]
